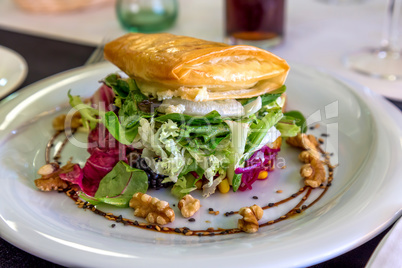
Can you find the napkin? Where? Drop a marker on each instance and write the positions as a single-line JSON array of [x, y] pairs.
[[389, 252]]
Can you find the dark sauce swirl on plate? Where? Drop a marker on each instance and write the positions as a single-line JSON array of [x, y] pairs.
[[300, 207]]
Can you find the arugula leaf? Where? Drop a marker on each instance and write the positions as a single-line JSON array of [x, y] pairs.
[[123, 135], [93, 116], [120, 184], [211, 118], [300, 120], [266, 98], [119, 86], [199, 146], [207, 132], [124, 88], [135, 93], [125, 127]]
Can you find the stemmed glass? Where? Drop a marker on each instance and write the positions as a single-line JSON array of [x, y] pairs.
[[385, 61]]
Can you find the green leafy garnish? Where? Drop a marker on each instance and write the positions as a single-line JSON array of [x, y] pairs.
[[211, 118], [299, 119], [120, 184], [207, 132], [123, 135], [121, 87], [236, 181], [266, 98], [184, 185], [287, 130], [89, 115], [259, 131]]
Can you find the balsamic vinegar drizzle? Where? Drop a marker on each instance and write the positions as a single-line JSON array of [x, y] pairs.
[[49, 146], [299, 208]]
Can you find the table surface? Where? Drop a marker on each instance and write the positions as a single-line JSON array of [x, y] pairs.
[[48, 56]]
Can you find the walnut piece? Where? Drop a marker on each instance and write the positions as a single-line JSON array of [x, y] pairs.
[[64, 121], [304, 141], [306, 171], [251, 216], [51, 184], [50, 177], [152, 209], [313, 173], [308, 155], [189, 205]]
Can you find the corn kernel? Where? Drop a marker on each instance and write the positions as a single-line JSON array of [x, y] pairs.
[[224, 186], [198, 184], [262, 175]]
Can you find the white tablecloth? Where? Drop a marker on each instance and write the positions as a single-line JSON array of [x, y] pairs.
[[317, 34]]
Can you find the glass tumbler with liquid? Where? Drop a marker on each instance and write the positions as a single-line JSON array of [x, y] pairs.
[[255, 22], [146, 16]]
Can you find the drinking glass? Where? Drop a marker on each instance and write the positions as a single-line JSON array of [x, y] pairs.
[[255, 22], [384, 61], [146, 15]]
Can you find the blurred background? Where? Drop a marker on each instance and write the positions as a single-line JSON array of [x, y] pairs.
[[316, 32]]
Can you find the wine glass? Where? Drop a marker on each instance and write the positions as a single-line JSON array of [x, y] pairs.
[[385, 61]]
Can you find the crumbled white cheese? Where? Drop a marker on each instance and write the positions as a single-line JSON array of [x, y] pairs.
[[179, 109], [202, 94], [165, 95]]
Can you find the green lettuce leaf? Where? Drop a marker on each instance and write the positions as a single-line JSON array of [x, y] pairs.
[[211, 118], [298, 118], [266, 98], [236, 181], [123, 135], [121, 87], [259, 131], [89, 115], [120, 184], [238, 142], [207, 132], [124, 127], [287, 130], [184, 185], [193, 166]]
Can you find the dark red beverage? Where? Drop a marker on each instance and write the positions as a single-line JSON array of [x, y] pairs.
[[255, 22]]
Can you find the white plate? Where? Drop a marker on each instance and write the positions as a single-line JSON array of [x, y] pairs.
[[365, 135], [13, 70]]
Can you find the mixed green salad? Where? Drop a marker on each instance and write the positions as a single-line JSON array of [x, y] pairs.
[[138, 142]]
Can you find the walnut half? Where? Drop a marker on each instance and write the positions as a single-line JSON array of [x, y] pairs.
[[303, 141], [251, 216], [189, 205], [50, 177], [152, 209], [313, 173]]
